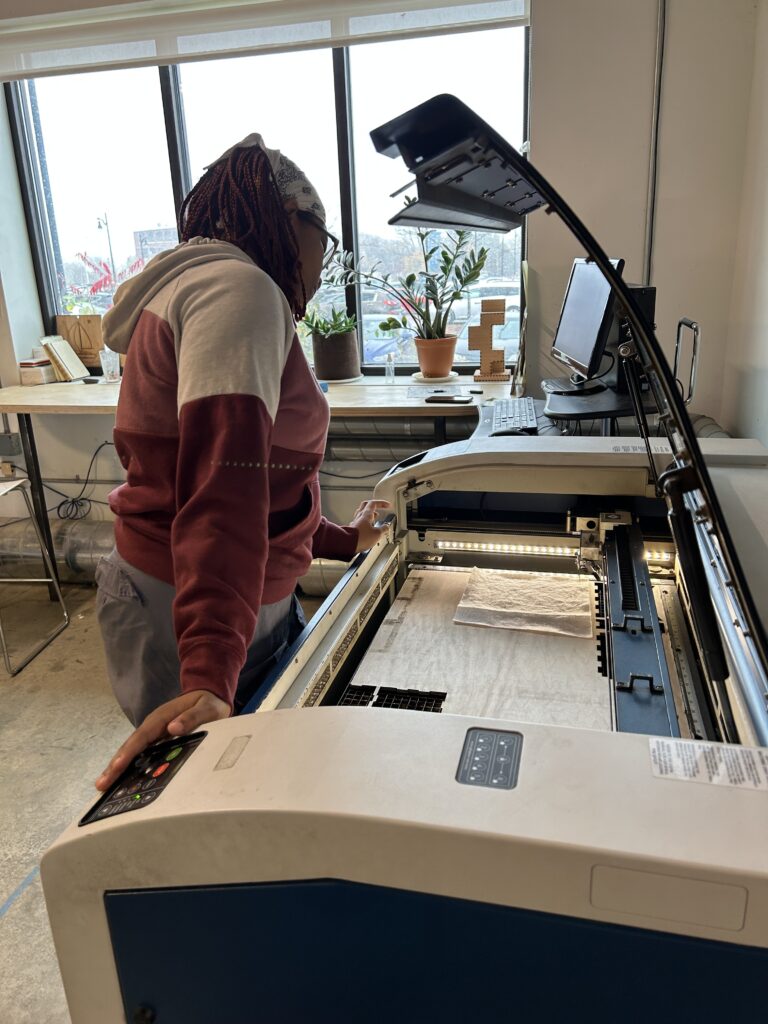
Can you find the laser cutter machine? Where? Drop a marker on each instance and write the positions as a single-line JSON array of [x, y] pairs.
[[422, 819]]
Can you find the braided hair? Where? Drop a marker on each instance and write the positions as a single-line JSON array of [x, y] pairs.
[[237, 201]]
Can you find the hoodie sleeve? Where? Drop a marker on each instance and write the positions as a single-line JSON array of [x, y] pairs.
[[332, 541], [232, 341]]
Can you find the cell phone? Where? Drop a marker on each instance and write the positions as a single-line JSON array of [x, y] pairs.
[[450, 399]]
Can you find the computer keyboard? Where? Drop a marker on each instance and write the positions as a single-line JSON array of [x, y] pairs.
[[511, 415]]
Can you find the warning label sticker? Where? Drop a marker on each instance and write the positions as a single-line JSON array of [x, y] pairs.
[[713, 763], [657, 447]]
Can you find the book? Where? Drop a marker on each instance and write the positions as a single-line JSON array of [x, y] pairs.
[[38, 373], [66, 362]]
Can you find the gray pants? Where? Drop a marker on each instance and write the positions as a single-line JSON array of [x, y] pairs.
[[136, 620]]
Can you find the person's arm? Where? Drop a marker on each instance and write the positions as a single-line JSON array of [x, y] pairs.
[[232, 340], [332, 541], [343, 542]]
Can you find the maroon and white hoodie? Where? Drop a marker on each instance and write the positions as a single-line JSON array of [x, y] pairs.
[[221, 429]]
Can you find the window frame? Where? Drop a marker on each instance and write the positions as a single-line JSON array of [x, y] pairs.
[[24, 129]]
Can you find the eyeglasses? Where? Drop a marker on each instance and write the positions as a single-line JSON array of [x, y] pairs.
[[330, 242], [331, 248]]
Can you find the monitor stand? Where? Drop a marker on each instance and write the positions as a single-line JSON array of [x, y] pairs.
[[569, 386], [608, 406]]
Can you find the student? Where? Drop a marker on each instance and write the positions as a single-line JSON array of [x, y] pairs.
[[221, 429]]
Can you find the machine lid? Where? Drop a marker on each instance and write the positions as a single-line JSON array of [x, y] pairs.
[[464, 168]]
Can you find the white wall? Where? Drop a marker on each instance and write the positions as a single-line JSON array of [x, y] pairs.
[[745, 400], [592, 70], [705, 103], [20, 322]]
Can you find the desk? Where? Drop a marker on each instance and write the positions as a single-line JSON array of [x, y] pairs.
[[370, 398]]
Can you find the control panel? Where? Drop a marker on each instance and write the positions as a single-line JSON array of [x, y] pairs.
[[490, 757], [145, 778]]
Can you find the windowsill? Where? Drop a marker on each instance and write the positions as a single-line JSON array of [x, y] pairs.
[[406, 380]]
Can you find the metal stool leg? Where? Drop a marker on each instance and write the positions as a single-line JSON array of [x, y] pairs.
[[53, 583]]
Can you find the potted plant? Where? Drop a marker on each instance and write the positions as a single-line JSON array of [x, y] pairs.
[[426, 297], [334, 344]]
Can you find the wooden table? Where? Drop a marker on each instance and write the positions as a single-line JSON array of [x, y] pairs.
[[372, 397]]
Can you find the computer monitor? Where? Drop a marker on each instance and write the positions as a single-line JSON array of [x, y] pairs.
[[585, 319]]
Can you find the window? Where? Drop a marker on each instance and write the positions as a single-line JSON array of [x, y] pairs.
[[104, 186], [486, 71], [100, 170], [288, 99]]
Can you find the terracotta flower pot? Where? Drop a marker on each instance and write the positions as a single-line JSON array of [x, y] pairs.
[[436, 355], [337, 357]]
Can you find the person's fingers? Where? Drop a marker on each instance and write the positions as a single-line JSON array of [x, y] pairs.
[[147, 732], [208, 708], [371, 507], [154, 727]]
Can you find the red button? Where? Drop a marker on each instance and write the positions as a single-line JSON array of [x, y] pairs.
[[159, 771]]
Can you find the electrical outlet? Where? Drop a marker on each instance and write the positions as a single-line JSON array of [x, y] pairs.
[[10, 444]]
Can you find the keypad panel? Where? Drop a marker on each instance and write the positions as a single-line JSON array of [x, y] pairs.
[[145, 778], [490, 758]]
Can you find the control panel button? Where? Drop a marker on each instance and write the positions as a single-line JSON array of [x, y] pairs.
[[145, 779]]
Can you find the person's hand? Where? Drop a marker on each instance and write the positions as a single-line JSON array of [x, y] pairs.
[[178, 717], [363, 520]]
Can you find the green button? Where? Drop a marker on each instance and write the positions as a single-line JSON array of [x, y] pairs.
[[137, 796], [173, 753]]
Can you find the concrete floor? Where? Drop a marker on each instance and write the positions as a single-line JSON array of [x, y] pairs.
[[59, 725]]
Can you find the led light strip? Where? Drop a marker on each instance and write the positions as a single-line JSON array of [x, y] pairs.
[[531, 549], [506, 549], [658, 556]]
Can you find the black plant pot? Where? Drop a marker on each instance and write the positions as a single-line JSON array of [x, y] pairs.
[[337, 356]]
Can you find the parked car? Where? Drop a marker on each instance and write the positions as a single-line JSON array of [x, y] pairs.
[[377, 343], [468, 307], [373, 301], [508, 335]]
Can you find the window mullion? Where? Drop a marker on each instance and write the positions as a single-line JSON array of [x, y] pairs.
[[343, 102], [36, 199], [175, 133]]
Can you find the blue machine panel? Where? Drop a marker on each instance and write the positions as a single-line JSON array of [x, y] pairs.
[[334, 952]]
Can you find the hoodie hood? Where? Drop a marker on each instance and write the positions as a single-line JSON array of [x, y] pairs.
[[137, 292]]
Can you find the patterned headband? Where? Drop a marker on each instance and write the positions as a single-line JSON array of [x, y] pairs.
[[291, 182]]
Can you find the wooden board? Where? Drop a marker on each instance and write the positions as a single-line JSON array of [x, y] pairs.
[[84, 335], [344, 399], [70, 398], [395, 400], [491, 673]]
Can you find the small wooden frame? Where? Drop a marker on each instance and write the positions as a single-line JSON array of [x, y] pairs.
[[84, 335], [492, 312]]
